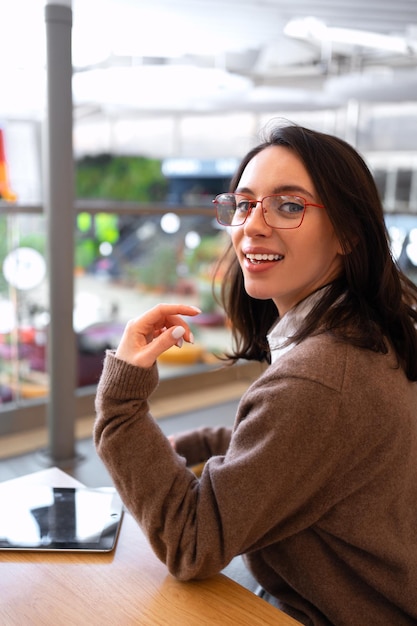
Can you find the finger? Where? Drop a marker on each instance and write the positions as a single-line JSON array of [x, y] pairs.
[[160, 312], [162, 316], [146, 355]]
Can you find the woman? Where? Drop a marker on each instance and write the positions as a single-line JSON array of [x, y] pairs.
[[317, 484]]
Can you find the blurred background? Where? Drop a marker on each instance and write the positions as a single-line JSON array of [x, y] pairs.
[[167, 97]]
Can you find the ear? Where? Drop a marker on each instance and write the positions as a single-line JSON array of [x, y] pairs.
[[345, 247], [343, 250]]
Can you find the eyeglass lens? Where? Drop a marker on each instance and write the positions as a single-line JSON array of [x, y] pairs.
[[279, 211]]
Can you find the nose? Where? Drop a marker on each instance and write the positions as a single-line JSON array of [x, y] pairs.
[[255, 221]]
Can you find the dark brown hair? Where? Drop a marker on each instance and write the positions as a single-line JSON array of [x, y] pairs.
[[373, 301]]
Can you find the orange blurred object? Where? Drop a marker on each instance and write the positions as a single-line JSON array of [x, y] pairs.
[[188, 354], [6, 192]]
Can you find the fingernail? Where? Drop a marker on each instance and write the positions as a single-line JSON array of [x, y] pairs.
[[178, 332], [196, 309], [180, 342], [191, 340]]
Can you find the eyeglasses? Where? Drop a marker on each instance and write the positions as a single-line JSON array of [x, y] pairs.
[[232, 209]]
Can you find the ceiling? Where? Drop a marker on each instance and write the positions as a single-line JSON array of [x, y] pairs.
[[150, 58], [144, 54], [243, 54]]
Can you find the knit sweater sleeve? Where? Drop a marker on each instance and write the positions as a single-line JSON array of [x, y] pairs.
[[254, 494], [201, 444]]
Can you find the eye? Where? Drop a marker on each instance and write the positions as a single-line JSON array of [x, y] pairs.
[[291, 207], [243, 205], [288, 205]]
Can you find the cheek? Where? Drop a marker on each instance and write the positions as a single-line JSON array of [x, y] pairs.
[[319, 241]]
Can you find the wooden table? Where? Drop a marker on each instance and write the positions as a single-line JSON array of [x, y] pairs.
[[124, 587]]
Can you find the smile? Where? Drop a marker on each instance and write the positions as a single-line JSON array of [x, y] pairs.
[[261, 258]]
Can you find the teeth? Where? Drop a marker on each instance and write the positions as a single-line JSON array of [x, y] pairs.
[[264, 257]]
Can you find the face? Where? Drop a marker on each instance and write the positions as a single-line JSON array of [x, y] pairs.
[[299, 260]]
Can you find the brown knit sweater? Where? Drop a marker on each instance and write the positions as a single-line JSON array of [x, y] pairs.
[[317, 484]]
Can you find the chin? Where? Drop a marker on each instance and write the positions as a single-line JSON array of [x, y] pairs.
[[258, 294]]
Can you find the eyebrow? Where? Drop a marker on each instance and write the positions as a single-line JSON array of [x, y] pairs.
[[281, 189]]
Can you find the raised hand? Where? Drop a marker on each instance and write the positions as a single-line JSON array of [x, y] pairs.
[[149, 335]]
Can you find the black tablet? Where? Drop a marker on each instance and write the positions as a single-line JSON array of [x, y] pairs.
[[39, 517]]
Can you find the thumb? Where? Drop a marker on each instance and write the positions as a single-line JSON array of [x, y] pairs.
[[169, 338]]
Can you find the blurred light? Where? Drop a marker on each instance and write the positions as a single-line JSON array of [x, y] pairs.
[[86, 310], [24, 268], [367, 39], [310, 29], [181, 167], [306, 28], [170, 223], [192, 240], [105, 248], [397, 237], [7, 316], [411, 249]]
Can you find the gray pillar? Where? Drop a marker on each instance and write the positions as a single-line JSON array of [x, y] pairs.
[[59, 203]]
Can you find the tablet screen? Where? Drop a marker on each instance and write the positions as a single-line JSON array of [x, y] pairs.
[[39, 517]]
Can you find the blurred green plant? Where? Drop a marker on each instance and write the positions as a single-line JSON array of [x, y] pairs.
[[131, 178], [125, 178]]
